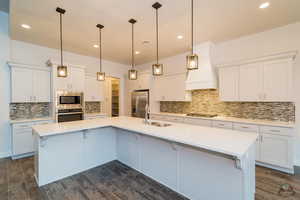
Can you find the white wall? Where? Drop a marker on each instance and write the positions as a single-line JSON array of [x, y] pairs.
[[5, 141], [277, 40], [27, 53]]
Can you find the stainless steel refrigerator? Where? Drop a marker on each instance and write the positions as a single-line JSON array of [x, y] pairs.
[[139, 100]]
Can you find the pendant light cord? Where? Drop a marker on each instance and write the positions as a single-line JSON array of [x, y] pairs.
[[157, 36], [61, 42], [132, 44], [192, 21], [100, 47]]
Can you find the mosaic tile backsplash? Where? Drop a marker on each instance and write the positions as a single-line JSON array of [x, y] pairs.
[[29, 110], [207, 101], [92, 107]]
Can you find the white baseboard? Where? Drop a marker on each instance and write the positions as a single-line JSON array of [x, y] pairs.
[[5, 154]]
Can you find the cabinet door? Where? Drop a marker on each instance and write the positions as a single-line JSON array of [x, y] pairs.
[[160, 89], [22, 85], [276, 150], [90, 88], [128, 149], [156, 153], [229, 83], [22, 141], [278, 80], [41, 86], [176, 88], [251, 86], [99, 147], [77, 79]]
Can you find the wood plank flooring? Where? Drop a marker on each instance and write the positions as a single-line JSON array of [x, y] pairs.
[[115, 181]]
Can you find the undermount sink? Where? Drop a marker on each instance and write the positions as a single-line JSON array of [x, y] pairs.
[[159, 124]]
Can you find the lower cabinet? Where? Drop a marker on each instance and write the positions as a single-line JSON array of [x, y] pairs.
[[22, 138], [276, 150], [128, 148], [159, 160]]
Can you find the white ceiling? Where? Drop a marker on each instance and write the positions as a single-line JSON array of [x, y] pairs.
[[215, 20]]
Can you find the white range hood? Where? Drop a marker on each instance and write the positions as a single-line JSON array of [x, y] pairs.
[[205, 76]]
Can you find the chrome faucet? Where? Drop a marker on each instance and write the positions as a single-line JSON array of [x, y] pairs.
[[147, 114]]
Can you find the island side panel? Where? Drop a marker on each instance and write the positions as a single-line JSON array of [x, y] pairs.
[[193, 172], [60, 156]]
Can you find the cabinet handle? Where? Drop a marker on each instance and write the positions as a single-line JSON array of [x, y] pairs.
[[245, 127], [261, 138], [275, 131]]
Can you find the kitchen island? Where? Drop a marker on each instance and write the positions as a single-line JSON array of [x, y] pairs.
[[197, 162]]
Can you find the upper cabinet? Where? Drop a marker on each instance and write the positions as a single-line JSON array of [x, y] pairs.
[[29, 83], [142, 83], [93, 89], [228, 83], [268, 79], [171, 88], [74, 82]]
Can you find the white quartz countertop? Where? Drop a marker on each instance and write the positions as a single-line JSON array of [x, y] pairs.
[[31, 120], [230, 142], [235, 119]]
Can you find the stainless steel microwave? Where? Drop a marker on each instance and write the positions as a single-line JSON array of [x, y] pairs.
[[69, 99]]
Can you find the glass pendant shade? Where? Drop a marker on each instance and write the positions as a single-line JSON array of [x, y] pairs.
[[157, 69], [62, 71], [132, 74], [192, 62], [101, 76]]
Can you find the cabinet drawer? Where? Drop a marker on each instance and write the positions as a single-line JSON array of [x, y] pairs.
[[276, 130], [158, 117], [222, 124], [22, 126], [43, 122], [245, 127], [201, 122], [174, 119]]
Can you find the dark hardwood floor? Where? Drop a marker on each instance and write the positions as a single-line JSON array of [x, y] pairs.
[[115, 181]]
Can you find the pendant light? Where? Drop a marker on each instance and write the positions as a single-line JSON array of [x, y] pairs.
[[132, 73], [157, 69], [100, 75], [62, 70], [192, 59]]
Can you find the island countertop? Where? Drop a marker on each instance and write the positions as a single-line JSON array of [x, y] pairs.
[[229, 142]]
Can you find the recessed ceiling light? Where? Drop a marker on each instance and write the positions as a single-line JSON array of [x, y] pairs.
[[179, 37], [25, 26], [96, 46], [137, 52], [264, 5]]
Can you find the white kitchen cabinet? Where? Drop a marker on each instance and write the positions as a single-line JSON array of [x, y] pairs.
[[253, 129], [94, 89], [171, 88], [251, 82], [143, 82], [156, 153], [74, 82], [229, 83], [266, 79], [200, 122], [128, 150], [29, 84], [222, 124], [276, 150], [99, 140], [22, 138], [278, 80], [94, 116]]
